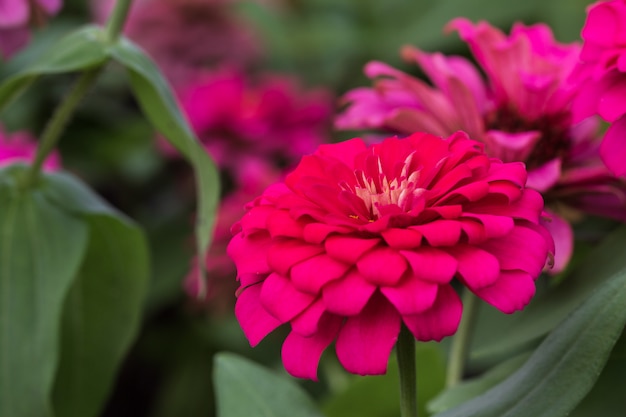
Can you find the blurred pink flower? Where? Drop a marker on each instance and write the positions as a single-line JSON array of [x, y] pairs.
[[602, 75], [185, 37], [17, 16], [272, 120], [358, 240], [522, 113], [20, 147]]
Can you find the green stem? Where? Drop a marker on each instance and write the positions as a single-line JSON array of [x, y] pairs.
[[117, 19], [57, 123], [462, 339], [405, 350]]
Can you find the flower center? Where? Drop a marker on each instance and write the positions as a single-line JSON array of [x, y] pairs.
[[554, 141], [379, 191]]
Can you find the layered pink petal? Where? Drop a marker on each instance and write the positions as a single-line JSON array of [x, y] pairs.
[[441, 320], [613, 148], [510, 293], [348, 296], [365, 341], [254, 320]]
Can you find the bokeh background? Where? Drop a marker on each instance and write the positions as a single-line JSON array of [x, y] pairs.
[[320, 46]]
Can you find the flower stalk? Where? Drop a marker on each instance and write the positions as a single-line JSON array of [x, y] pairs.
[[462, 340], [405, 351], [63, 113]]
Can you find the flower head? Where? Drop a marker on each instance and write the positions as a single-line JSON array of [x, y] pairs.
[[602, 78], [238, 120], [521, 112], [16, 18], [358, 240]]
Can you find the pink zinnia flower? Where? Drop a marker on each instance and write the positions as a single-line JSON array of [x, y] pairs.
[[358, 240], [522, 112], [20, 147], [185, 37], [16, 16], [273, 119], [602, 75]]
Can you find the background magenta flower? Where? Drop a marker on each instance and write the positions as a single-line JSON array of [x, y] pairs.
[[522, 112], [602, 75], [21, 147], [16, 17], [272, 120], [186, 37], [359, 239]]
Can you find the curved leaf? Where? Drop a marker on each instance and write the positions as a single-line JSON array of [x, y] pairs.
[[41, 248], [160, 106], [82, 49], [564, 367], [244, 388]]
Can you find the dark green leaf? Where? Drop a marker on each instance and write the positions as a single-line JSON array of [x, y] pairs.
[[82, 49], [160, 106], [101, 315], [564, 367], [244, 388], [41, 248]]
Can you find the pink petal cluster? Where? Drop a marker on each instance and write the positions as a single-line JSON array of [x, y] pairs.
[[272, 120], [358, 240], [16, 16], [20, 147], [602, 76], [185, 37], [521, 112]]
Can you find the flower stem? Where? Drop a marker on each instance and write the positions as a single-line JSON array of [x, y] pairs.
[[116, 21], [405, 350], [461, 340], [57, 123]]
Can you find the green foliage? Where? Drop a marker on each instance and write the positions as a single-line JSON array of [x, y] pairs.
[[160, 106], [244, 388], [576, 351], [80, 50], [41, 250], [73, 280]]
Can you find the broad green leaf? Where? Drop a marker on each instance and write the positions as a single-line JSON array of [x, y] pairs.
[[101, 316], [507, 333], [607, 398], [476, 386], [379, 396], [160, 106], [41, 248], [244, 388], [564, 367], [82, 49]]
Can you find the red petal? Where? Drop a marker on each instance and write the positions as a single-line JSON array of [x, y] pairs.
[[477, 268], [312, 274], [441, 320], [510, 293], [348, 248], [285, 253], [347, 296], [431, 264], [412, 295], [281, 299], [382, 266], [254, 320]]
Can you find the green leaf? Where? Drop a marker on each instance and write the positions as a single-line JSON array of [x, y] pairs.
[[379, 396], [41, 248], [564, 367], [101, 316], [160, 106], [507, 333], [471, 388], [244, 388], [82, 49]]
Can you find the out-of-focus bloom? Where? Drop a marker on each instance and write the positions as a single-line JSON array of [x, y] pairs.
[[358, 240], [602, 75], [21, 147], [185, 37], [16, 16], [272, 121], [522, 113], [254, 176]]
